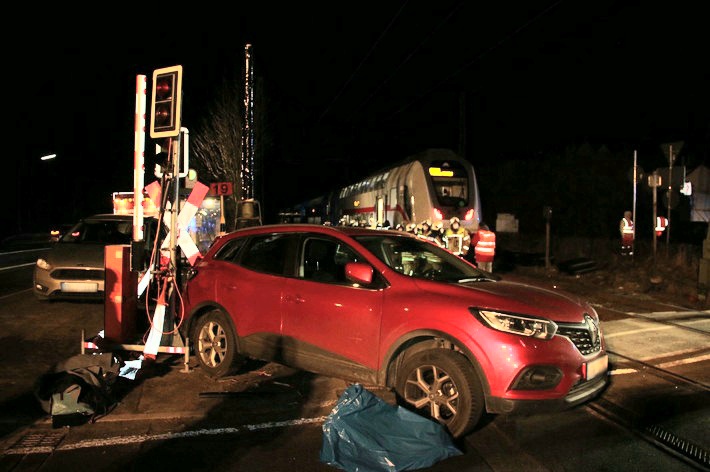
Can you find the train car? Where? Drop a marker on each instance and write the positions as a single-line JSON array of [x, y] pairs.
[[434, 185]]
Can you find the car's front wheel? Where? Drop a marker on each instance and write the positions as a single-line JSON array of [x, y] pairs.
[[215, 345], [443, 386]]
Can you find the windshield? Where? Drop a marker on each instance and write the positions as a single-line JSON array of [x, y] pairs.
[[100, 231], [421, 259]]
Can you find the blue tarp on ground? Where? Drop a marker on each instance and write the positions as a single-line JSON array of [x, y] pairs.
[[363, 433]]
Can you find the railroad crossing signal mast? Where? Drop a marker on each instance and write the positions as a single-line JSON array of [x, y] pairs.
[[166, 111], [127, 284]]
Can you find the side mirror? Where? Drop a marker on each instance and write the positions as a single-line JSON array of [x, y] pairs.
[[359, 272]]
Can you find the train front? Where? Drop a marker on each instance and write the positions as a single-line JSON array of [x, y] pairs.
[[455, 192]]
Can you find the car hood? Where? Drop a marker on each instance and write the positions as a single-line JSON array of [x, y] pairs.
[[516, 297], [76, 255]]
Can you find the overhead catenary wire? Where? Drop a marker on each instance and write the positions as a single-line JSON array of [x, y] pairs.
[[369, 53], [478, 57], [410, 55]]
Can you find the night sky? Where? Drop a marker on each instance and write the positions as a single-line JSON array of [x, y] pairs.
[[352, 88]]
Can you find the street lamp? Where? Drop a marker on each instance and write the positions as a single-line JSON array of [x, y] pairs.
[[47, 157]]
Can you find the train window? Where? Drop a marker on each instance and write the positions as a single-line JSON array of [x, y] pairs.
[[450, 182], [452, 191]]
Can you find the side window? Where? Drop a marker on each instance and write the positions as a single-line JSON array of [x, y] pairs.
[[267, 253], [324, 260], [230, 251]]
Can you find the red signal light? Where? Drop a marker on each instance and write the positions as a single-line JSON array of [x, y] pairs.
[[166, 106], [163, 88]]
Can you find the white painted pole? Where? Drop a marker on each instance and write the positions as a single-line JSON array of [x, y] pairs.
[[139, 157]]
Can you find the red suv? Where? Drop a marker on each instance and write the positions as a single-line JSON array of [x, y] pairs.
[[385, 308]]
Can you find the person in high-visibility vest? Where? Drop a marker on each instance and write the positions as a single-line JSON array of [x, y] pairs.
[[626, 228], [456, 238], [484, 242]]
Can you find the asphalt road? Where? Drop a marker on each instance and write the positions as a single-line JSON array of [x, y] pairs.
[[270, 417]]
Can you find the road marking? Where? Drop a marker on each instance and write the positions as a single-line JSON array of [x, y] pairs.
[[636, 331], [680, 352], [14, 293], [622, 371], [141, 438], [26, 264], [23, 251], [667, 314], [689, 360]]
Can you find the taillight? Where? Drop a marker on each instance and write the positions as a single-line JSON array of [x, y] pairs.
[[438, 214], [469, 214]]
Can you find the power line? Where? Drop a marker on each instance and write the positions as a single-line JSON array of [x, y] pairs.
[[374, 46], [478, 57], [411, 54]]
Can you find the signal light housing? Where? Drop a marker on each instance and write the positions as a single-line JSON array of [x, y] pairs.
[[167, 102]]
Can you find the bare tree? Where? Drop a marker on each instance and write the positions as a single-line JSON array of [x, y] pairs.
[[216, 144]]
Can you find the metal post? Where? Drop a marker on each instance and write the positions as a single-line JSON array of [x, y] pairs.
[[547, 245], [222, 220], [186, 357], [670, 193], [655, 214], [633, 217], [175, 207]]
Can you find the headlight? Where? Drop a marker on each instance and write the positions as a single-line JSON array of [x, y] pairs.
[[517, 324], [42, 264]]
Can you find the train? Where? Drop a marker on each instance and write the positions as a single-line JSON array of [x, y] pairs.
[[434, 185]]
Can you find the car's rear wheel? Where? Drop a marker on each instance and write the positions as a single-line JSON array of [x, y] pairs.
[[443, 386], [215, 345]]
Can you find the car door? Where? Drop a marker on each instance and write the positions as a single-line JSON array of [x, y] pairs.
[[249, 286], [326, 315]]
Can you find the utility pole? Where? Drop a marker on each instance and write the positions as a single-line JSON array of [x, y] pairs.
[[670, 150], [670, 193]]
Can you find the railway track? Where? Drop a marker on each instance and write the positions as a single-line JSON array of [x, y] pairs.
[[658, 435], [686, 324]]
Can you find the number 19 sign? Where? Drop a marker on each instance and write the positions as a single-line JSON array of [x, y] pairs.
[[220, 188]]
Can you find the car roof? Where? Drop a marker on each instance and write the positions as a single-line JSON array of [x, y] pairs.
[[312, 227]]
